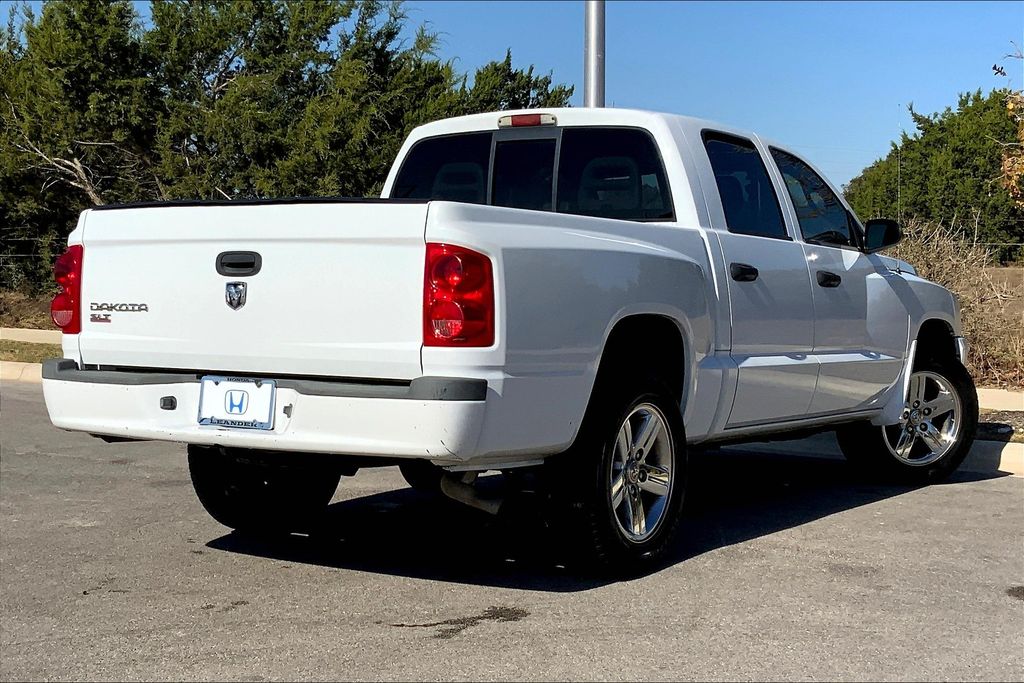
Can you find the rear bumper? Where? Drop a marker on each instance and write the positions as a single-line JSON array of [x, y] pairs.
[[438, 418]]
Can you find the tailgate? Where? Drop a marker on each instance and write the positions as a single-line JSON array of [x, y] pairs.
[[339, 290]]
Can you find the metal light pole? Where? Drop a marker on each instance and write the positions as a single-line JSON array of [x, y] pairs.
[[593, 55]]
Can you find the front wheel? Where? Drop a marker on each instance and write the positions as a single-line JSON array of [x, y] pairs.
[[934, 433]]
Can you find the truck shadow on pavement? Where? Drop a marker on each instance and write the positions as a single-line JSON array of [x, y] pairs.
[[733, 497]]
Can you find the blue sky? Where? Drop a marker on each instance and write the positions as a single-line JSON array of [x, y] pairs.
[[831, 79]]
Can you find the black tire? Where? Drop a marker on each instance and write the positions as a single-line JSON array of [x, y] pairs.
[[583, 477], [866, 446], [422, 475], [260, 493]]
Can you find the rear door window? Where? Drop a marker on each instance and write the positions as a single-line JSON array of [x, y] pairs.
[[452, 168], [748, 199], [612, 173]]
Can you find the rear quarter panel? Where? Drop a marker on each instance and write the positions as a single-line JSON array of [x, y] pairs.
[[562, 283]]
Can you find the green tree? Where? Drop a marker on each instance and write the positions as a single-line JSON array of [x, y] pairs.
[[215, 99], [948, 171], [498, 86], [81, 109], [235, 77], [77, 122]]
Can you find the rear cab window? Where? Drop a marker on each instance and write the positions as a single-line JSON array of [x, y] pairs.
[[452, 167], [591, 171], [612, 173], [523, 173]]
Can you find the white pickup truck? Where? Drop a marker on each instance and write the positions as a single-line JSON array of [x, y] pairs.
[[591, 290]]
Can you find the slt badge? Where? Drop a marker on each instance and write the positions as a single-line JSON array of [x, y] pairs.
[[234, 294]]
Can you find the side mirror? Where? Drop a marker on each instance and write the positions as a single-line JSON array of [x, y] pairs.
[[880, 233]]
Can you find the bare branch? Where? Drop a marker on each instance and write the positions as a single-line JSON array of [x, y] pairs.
[[161, 190], [218, 86], [72, 171]]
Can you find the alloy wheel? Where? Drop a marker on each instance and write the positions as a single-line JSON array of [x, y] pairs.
[[642, 472], [930, 422]]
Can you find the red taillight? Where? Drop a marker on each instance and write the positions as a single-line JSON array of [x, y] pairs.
[[66, 309], [458, 297]]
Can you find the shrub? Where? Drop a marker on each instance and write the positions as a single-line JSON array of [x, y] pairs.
[[995, 334]]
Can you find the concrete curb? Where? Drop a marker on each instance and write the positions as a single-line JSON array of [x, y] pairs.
[[1000, 399], [995, 456], [33, 336], [13, 371], [986, 457]]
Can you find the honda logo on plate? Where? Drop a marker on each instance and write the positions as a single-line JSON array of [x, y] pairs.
[[236, 402]]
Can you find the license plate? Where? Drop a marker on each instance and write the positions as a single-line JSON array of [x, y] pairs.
[[237, 402]]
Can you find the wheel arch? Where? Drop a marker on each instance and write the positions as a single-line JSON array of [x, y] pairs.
[[664, 340], [936, 338], [669, 350]]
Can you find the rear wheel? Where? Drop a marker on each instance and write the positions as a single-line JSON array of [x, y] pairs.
[[260, 493], [626, 476], [934, 433]]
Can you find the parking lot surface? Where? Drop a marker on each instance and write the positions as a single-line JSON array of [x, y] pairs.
[[789, 568]]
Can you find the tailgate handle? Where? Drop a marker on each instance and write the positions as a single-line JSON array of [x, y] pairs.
[[239, 263]]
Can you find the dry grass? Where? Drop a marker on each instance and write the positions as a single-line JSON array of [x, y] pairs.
[[989, 306], [27, 311], [1012, 278], [28, 352]]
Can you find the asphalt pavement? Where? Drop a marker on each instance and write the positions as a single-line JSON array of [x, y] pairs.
[[789, 568]]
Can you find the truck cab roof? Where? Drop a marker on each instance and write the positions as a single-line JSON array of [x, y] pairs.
[[576, 116]]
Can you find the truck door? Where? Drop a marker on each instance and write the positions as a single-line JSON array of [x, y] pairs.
[[861, 326], [769, 287]]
